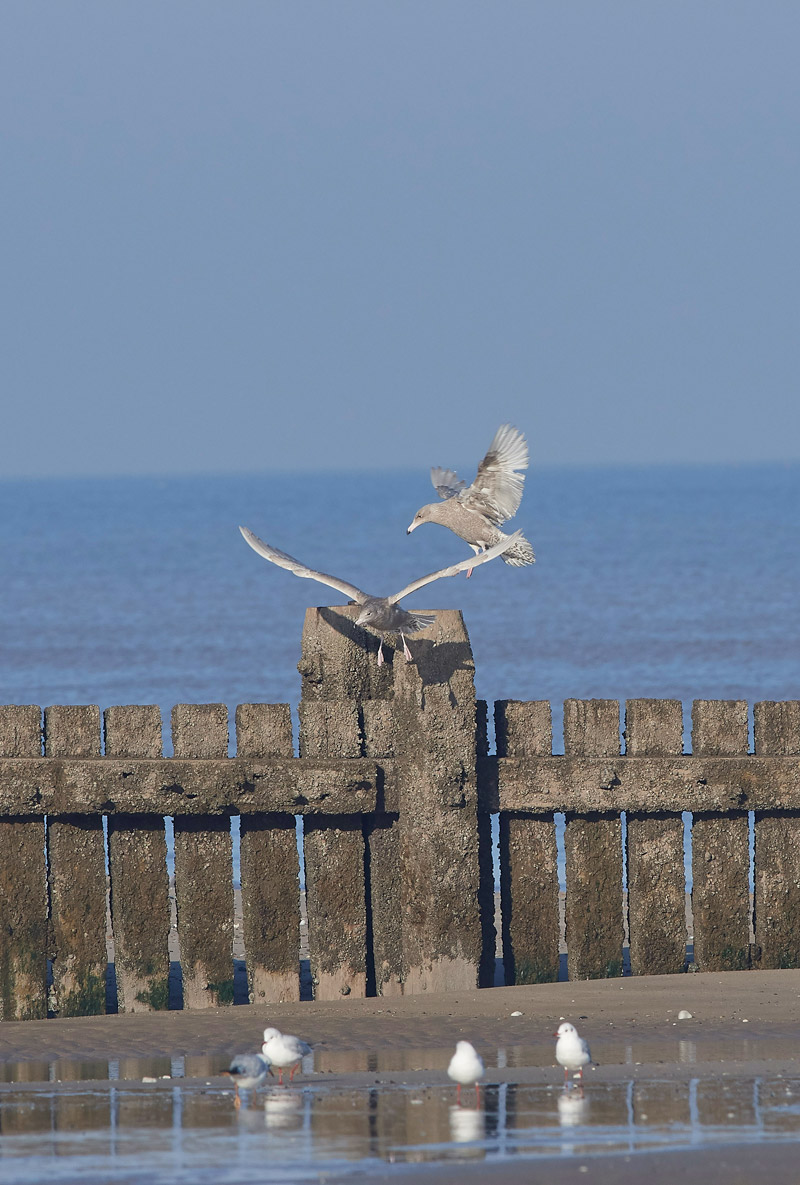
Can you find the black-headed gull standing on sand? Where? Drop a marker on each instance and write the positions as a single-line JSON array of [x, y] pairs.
[[465, 1068], [572, 1052], [283, 1050]]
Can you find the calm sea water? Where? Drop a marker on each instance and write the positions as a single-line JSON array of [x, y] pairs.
[[678, 582]]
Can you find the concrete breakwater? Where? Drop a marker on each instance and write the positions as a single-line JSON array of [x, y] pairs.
[[396, 788]]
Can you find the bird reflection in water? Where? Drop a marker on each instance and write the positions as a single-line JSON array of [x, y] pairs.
[[466, 1124], [283, 1110], [572, 1107]]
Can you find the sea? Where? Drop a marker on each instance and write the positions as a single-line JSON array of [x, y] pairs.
[[679, 582]]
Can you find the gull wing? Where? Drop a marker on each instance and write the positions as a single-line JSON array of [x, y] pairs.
[[447, 483], [483, 558], [286, 561], [496, 491]]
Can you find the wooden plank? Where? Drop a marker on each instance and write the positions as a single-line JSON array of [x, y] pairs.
[[269, 869], [23, 886], [137, 853], [720, 849], [77, 878], [593, 849], [656, 880], [528, 856], [204, 869], [334, 850], [777, 847]]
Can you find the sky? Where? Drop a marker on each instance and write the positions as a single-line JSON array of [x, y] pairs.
[[303, 235]]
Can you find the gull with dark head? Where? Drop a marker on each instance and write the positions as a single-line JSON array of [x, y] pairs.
[[475, 513], [382, 615], [248, 1070]]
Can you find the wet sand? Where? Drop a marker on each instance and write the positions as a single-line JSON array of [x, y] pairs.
[[743, 1023]]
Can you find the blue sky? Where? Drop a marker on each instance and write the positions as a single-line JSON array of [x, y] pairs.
[[306, 235]]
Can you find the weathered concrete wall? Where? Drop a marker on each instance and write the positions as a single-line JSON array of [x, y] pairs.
[[656, 879], [396, 786], [76, 861], [777, 848], [435, 732], [23, 888], [270, 868], [720, 859], [336, 669], [137, 854], [593, 849], [528, 855], [204, 869]]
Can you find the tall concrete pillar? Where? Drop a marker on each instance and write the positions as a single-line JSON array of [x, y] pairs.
[[435, 735], [420, 886]]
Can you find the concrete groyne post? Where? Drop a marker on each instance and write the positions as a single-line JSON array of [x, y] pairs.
[[435, 720], [77, 878], [269, 867], [528, 855], [340, 677], [137, 856], [777, 846], [656, 885], [405, 883], [593, 851], [204, 869], [720, 857], [23, 895]]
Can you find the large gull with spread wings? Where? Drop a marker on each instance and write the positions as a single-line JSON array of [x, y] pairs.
[[382, 615], [476, 512]]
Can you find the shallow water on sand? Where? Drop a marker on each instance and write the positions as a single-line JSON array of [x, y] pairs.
[[179, 1132]]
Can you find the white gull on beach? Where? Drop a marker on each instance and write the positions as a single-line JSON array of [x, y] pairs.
[[284, 1050], [466, 1067], [572, 1052]]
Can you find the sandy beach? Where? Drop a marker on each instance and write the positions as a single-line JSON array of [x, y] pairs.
[[742, 1024]]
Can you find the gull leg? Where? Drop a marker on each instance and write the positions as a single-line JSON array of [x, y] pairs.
[[458, 1093], [477, 1095], [380, 653], [291, 1074], [406, 650], [237, 1102]]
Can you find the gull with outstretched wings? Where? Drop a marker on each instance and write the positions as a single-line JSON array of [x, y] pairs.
[[475, 513], [382, 615]]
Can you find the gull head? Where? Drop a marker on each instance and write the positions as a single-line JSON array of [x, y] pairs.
[[425, 514], [270, 1034], [369, 613], [562, 1030]]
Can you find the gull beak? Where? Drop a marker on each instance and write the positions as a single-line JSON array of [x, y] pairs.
[[411, 528]]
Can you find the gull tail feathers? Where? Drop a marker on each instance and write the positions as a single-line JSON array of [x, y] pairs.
[[520, 554]]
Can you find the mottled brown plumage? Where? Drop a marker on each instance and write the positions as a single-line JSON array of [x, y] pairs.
[[475, 512]]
